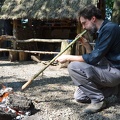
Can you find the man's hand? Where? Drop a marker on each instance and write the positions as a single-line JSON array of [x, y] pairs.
[[62, 58], [86, 44], [83, 41]]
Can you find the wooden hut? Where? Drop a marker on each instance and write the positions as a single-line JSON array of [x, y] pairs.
[[40, 26]]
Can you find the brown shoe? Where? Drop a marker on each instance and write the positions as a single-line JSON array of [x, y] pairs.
[[96, 107]]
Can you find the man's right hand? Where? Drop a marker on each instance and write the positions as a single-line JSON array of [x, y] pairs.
[[86, 44]]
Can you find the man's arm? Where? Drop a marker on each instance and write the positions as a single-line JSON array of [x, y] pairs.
[[69, 58]]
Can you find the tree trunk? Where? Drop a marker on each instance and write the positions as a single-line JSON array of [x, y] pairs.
[[116, 12]]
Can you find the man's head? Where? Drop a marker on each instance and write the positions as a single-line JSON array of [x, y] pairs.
[[88, 16]]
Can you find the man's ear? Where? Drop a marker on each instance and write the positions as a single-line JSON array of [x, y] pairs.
[[93, 18]]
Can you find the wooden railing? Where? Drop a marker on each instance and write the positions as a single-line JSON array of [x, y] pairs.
[[64, 43]]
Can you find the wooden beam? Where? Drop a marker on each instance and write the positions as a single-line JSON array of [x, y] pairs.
[[42, 40], [6, 37], [27, 51], [11, 38]]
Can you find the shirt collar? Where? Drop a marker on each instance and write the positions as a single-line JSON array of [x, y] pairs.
[[104, 22]]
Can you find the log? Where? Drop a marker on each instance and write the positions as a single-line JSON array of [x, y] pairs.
[[35, 58]]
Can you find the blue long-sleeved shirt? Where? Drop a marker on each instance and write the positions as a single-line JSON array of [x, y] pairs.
[[106, 45]]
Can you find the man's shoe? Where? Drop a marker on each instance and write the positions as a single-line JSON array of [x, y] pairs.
[[86, 100], [96, 107]]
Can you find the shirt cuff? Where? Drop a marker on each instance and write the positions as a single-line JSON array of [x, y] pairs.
[[85, 57]]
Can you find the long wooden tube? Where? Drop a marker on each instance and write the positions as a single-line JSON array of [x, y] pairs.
[[29, 81]]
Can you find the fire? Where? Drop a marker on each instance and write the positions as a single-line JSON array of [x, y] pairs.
[[3, 96], [4, 92], [7, 94]]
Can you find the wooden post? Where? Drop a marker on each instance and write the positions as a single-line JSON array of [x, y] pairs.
[[14, 55], [15, 33], [23, 56], [64, 44], [101, 6]]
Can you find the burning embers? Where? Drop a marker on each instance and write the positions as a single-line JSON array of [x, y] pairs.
[[13, 106]]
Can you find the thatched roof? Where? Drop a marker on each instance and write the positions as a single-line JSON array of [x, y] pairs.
[[41, 9]]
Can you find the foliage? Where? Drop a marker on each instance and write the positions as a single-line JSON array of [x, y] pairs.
[[109, 8]]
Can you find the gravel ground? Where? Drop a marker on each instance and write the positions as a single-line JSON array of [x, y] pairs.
[[52, 92]]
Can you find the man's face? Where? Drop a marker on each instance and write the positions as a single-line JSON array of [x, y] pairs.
[[89, 24]]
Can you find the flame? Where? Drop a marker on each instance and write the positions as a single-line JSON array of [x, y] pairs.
[[6, 94]]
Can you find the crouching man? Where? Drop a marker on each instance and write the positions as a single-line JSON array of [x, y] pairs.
[[96, 73]]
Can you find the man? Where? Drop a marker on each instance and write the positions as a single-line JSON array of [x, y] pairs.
[[96, 73]]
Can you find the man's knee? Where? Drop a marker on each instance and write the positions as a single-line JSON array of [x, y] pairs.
[[77, 73], [75, 65]]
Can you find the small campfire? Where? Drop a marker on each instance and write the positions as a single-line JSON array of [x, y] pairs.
[[13, 106]]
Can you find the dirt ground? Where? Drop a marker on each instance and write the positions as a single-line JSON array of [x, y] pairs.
[[52, 92]]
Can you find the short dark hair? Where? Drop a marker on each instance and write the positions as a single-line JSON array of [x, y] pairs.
[[89, 11]]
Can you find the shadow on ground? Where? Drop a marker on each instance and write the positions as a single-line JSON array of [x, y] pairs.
[[56, 94]]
